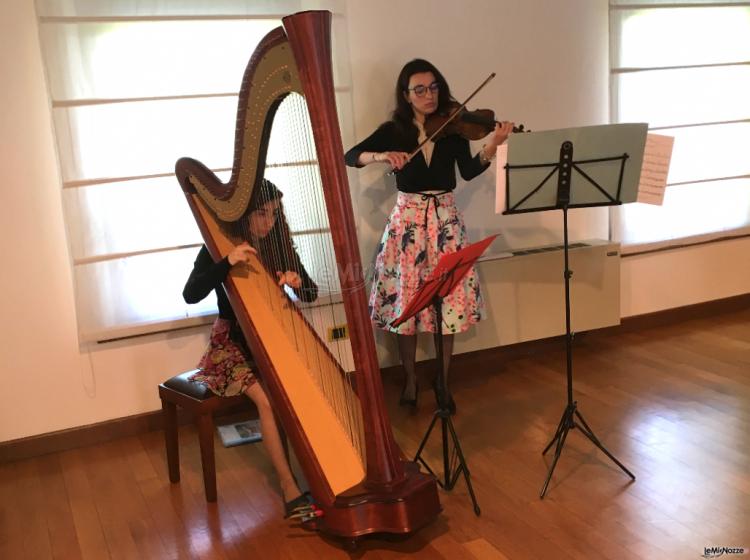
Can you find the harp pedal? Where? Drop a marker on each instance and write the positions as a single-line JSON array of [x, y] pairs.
[[309, 514], [301, 505], [301, 511]]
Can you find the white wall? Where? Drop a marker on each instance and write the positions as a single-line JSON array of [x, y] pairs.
[[53, 384], [551, 62], [665, 280], [552, 72]]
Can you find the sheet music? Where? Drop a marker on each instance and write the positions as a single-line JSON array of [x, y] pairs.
[[605, 177], [655, 169], [500, 190]]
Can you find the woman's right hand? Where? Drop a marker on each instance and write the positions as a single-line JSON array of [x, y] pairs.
[[241, 253], [396, 159]]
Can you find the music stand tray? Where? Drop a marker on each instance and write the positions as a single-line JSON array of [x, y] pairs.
[[448, 273], [572, 168]]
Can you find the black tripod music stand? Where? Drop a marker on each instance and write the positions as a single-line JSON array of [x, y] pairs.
[[450, 270], [621, 186]]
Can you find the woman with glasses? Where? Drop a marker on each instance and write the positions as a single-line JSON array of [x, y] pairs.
[[425, 222]]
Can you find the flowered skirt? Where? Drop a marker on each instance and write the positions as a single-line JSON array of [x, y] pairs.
[[223, 367], [420, 229]]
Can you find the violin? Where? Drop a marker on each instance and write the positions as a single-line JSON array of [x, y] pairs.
[[472, 125]]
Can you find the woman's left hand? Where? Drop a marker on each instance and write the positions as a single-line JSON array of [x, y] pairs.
[[290, 278], [500, 134]]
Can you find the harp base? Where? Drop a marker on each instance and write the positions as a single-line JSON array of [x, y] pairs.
[[361, 511]]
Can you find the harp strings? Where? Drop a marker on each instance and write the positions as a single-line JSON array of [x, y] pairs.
[[348, 403], [302, 220], [340, 391]]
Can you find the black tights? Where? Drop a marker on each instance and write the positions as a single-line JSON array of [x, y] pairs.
[[407, 349]]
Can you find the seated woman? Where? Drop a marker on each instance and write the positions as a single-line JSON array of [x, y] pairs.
[[225, 366]]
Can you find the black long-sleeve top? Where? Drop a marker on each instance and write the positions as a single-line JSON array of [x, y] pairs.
[[208, 276], [416, 175]]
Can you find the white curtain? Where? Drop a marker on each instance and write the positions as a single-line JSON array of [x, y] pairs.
[[685, 69], [135, 85]]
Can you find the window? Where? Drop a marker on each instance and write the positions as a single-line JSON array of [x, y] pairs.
[[134, 86], [685, 69]]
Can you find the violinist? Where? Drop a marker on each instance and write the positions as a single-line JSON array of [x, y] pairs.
[[425, 221]]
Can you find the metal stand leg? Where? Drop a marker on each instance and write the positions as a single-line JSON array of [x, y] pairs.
[[450, 476], [448, 432], [569, 415], [567, 423]]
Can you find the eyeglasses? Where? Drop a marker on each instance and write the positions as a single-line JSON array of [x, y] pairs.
[[420, 90]]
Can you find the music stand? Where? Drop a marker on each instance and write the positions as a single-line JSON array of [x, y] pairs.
[[605, 184], [450, 270]]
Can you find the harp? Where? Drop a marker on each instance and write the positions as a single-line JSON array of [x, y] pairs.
[[335, 419]]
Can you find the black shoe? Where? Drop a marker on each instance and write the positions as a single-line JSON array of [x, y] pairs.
[[403, 401], [302, 501]]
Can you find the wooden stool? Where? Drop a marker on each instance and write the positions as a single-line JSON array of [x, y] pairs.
[[202, 403]]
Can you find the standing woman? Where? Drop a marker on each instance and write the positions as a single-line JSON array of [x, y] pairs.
[[226, 366], [425, 222]]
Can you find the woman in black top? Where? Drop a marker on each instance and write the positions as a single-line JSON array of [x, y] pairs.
[[425, 222], [226, 365]]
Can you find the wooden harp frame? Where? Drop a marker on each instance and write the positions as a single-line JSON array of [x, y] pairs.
[[394, 495]]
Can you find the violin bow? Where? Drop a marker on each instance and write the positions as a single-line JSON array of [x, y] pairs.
[[450, 117]]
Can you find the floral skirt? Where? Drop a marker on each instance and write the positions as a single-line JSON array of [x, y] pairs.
[[224, 368], [420, 229]]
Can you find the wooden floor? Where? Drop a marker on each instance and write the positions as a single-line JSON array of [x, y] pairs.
[[672, 403]]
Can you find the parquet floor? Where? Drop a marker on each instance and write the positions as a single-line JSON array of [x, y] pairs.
[[672, 403]]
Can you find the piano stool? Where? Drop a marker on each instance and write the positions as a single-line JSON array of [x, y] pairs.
[[201, 403]]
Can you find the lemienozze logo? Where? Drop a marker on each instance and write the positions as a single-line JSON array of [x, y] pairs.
[[716, 551]]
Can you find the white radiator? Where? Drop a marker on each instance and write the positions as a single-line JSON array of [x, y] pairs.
[[524, 299], [525, 294]]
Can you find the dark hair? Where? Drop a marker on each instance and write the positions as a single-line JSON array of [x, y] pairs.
[[276, 248], [262, 193], [403, 114]]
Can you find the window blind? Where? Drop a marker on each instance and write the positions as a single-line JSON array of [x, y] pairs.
[[685, 69], [133, 87]]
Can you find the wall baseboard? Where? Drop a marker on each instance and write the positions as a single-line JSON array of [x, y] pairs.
[[681, 314], [102, 432], [25, 448]]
